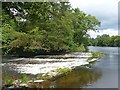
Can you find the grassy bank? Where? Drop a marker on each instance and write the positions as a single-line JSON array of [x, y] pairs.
[[95, 55]]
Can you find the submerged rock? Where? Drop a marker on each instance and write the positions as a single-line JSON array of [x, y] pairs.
[[36, 81]]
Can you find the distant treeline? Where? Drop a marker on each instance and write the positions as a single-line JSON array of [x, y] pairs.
[[30, 28], [105, 40]]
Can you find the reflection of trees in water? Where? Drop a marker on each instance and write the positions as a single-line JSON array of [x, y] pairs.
[[77, 79]]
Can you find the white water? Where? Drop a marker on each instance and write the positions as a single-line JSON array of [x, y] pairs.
[[46, 65]]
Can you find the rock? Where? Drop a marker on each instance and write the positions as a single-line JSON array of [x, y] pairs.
[[52, 74], [36, 81], [11, 87], [16, 83], [30, 81], [23, 85], [94, 59]]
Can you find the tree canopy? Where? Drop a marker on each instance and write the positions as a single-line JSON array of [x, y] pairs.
[[105, 40], [30, 28]]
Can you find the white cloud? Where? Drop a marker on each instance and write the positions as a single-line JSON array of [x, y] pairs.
[[110, 32], [96, 6], [105, 10]]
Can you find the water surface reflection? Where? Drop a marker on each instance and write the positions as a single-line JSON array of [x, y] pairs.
[[78, 78]]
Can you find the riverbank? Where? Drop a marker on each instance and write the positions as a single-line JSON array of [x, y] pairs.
[[50, 68]]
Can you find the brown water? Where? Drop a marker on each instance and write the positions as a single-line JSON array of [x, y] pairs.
[[79, 78]]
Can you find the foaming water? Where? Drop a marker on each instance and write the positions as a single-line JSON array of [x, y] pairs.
[[102, 74]]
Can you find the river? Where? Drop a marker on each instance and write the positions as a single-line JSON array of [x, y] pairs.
[[101, 74], [108, 66]]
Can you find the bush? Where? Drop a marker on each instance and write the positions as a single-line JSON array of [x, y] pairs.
[[82, 48]]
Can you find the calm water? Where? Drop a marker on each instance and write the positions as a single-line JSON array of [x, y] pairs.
[[103, 74], [108, 65]]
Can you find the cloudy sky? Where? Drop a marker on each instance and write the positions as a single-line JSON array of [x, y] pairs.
[[106, 11]]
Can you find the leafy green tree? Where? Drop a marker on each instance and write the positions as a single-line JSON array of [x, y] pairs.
[[106, 40], [31, 28]]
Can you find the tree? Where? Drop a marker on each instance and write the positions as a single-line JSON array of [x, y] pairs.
[[105, 40], [44, 27]]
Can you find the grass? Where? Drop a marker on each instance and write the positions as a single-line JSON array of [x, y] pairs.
[[43, 76], [9, 82], [63, 70], [24, 78], [95, 55], [59, 71]]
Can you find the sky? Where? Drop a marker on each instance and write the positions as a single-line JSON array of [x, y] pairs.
[[106, 11]]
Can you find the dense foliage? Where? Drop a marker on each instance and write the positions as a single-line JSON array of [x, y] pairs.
[[105, 40], [30, 28]]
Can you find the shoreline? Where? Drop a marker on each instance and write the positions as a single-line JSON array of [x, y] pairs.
[[56, 69]]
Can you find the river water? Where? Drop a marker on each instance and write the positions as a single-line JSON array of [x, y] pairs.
[[101, 74], [108, 66]]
